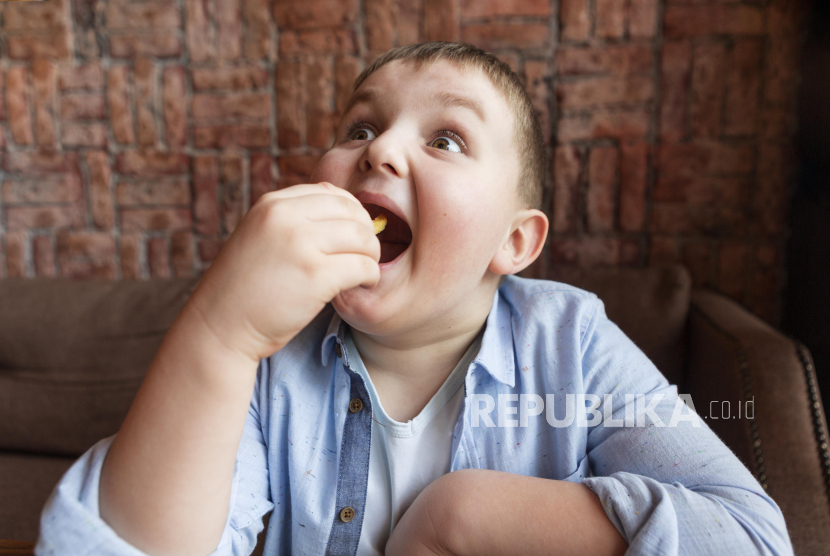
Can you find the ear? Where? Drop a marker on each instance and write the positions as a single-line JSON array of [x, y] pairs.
[[522, 246]]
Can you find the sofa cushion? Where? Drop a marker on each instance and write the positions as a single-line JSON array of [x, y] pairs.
[[650, 305], [73, 355]]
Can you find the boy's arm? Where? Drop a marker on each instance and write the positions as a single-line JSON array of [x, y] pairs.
[[481, 512], [166, 482]]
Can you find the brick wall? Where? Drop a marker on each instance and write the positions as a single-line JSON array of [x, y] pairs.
[[135, 134]]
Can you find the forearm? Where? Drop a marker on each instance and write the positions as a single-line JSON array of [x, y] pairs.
[[481, 512], [166, 481]]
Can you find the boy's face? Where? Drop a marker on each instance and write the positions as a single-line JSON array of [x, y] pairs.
[[451, 172]]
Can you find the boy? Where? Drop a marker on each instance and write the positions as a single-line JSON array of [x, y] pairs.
[[358, 414]]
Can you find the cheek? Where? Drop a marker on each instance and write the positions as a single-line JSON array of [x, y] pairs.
[[332, 167]]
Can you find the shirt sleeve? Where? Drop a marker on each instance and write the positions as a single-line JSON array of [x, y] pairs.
[[70, 522], [669, 487]]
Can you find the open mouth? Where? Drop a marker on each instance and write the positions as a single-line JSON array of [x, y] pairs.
[[395, 238]]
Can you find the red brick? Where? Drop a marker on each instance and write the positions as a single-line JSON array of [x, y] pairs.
[[624, 124], [121, 119], [537, 75], [566, 170], [198, 31], [23, 218], [573, 17], [17, 103], [153, 192], [610, 19], [53, 45], [83, 255], [587, 252], [151, 163], [209, 248], [615, 59], [442, 20], [234, 105], [43, 255], [16, 254], [157, 257], [689, 21], [144, 77], [290, 84], [43, 85], [698, 257], [296, 169], [320, 90], [743, 84], [75, 134], [770, 200], [229, 78], [605, 90], [310, 14], [257, 38], [205, 202], [495, 8], [317, 41], [181, 254], [708, 82], [130, 254], [87, 76], [231, 205], [133, 220], [65, 188], [224, 136], [175, 119], [633, 178], [732, 268], [121, 15], [161, 45], [380, 22], [409, 21], [231, 168], [642, 18], [48, 16], [99, 189], [669, 218], [496, 35], [678, 162], [603, 167], [675, 79], [346, 70], [228, 29], [82, 106], [262, 180], [777, 123], [41, 162], [662, 250]]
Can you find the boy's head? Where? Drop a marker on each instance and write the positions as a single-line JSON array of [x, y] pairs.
[[443, 138]]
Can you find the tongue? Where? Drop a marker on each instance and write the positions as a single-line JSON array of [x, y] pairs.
[[390, 251]]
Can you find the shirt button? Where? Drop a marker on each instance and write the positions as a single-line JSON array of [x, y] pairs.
[[339, 351], [347, 514], [355, 405]]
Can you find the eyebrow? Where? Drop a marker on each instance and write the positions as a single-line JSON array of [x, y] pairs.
[[448, 100]]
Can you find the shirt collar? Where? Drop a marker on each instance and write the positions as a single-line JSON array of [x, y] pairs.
[[495, 355]]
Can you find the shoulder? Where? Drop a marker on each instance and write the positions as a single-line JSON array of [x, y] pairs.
[[535, 302]]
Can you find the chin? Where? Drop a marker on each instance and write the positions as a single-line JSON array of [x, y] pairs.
[[362, 309]]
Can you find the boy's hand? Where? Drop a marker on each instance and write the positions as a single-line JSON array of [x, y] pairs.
[[292, 253]]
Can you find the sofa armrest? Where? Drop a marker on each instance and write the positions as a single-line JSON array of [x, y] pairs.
[[17, 548], [735, 357]]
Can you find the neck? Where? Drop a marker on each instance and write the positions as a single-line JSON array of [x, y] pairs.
[[407, 374]]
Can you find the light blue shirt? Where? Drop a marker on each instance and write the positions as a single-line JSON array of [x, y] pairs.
[[305, 456]]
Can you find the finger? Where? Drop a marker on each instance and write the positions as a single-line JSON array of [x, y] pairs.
[[346, 236], [324, 206], [352, 270], [314, 188]]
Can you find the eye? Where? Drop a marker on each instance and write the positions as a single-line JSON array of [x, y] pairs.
[[360, 133], [445, 143]]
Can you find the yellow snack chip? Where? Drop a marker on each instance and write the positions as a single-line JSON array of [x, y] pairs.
[[380, 223]]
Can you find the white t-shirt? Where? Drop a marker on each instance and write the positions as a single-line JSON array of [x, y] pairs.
[[406, 457]]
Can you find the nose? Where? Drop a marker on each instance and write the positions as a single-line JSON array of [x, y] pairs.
[[385, 154]]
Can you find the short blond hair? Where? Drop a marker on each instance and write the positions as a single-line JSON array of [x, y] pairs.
[[527, 133]]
